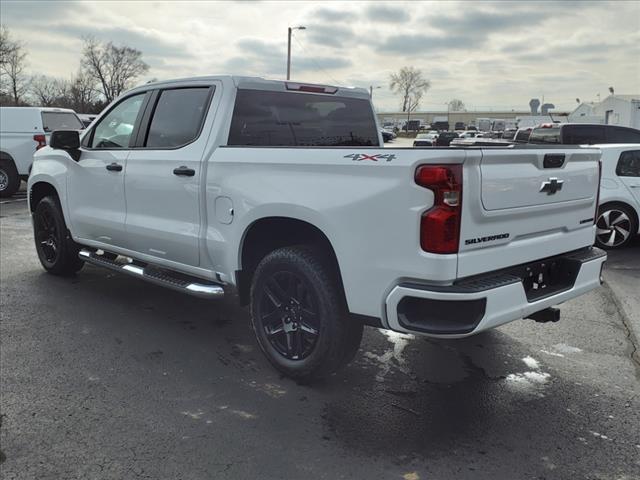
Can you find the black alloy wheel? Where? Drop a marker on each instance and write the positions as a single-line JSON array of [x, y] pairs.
[[288, 315], [48, 237]]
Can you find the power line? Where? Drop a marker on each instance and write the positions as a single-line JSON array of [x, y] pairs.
[[336, 82]]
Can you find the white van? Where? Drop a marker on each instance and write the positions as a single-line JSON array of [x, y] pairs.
[[23, 130]]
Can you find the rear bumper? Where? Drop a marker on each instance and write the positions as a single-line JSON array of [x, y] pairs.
[[487, 301]]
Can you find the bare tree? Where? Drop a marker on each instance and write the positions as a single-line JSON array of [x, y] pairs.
[[49, 92], [13, 80], [17, 80], [408, 83], [6, 45], [412, 103], [113, 68], [456, 105], [83, 94]]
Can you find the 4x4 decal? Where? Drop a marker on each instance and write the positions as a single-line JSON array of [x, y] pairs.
[[358, 157]]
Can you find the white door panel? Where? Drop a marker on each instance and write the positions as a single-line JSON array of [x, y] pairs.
[[163, 209], [96, 196]]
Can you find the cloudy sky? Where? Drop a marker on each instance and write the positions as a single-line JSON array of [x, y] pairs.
[[488, 54]]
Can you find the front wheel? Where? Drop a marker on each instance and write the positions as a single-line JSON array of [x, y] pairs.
[[615, 226], [58, 254], [299, 314]]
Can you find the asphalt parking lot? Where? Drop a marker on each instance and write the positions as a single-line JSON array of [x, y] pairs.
[[104, 376]]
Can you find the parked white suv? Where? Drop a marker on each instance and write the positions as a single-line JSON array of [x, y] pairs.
[[619, 195], [282, 192], [23, 130]]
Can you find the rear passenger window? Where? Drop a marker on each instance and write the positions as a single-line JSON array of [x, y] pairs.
[[178, 117], [583, 135], [629, 164], [623, 135]]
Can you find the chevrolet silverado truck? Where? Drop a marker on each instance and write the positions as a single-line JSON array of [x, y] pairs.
[[281, 195]]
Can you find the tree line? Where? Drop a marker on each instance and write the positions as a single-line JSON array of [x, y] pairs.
[[106, 70]]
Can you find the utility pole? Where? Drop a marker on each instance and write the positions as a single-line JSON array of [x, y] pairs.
[[289, 30], [371, 87]]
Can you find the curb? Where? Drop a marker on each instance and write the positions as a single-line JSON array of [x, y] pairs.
[[632, 335]]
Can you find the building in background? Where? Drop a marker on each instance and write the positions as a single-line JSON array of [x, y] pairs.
[[621, 110]]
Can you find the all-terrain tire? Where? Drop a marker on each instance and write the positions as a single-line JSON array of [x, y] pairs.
[[57, 252], [295, 291]]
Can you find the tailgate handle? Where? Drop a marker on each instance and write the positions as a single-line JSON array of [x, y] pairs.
[[553, 160]]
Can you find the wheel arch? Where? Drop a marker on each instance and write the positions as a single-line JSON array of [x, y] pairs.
[[39, 190], [267, 234], [6, 156]]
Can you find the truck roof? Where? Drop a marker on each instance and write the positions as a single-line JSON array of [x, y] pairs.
[[38, 109], [259, 83]]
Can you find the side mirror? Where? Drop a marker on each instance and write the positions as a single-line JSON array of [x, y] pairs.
[[65, 140]]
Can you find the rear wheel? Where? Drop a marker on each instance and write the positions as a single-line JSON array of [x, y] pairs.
[[9, 178], [58, 254], [299, 314], [615, 226]]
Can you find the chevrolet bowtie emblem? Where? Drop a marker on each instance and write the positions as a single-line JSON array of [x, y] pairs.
[[551, 186]]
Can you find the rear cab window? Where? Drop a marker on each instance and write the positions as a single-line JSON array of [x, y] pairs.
[[622, 135], [287, 119], [60, 120], [583, 135]]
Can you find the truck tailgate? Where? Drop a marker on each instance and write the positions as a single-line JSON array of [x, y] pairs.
[[526, 204]]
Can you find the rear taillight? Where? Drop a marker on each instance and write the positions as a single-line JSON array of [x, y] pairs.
[[42, 141], [440, 225]]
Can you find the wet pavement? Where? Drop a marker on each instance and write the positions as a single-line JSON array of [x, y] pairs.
[[104, 376]]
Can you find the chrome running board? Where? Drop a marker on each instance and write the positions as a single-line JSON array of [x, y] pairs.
[[159, 276]]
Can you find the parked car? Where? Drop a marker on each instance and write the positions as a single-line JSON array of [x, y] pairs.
[[583, 134], [444, 138], [459, 126], [24, 130], [522, 135], [509, 134], [87, 118], [467, 134], [619, 209], [479, 141], [386, 135], [425, 139], [217, 203]]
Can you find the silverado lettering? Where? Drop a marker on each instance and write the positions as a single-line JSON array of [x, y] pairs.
[[490, 238]]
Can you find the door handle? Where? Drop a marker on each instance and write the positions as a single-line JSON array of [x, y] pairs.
[[184, 171], [114, 167]]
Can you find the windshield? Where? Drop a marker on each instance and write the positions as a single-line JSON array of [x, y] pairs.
[[263, 118], [60, 120]]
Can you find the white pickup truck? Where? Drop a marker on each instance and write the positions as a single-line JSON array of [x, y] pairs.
[[280, 192], [23, 130]]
